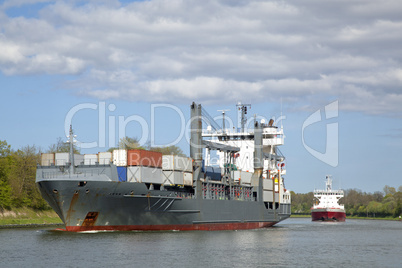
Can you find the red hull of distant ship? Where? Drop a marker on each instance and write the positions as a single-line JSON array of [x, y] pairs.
[[328, 216]]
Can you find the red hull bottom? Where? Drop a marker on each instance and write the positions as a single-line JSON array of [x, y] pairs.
[[179, 227], [328, 216]]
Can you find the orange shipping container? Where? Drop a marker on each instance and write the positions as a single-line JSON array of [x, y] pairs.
[[145, 158]]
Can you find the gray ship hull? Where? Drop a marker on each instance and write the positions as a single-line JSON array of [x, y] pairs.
[[87, 203]]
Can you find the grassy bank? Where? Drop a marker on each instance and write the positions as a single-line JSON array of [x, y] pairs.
[[349, 217], [300, 216], [25, 217], [373, 218]]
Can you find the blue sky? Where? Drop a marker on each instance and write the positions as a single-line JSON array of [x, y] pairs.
[[129, 56]]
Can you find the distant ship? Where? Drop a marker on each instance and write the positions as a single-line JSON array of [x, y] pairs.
[[327, 207], [128, 190]]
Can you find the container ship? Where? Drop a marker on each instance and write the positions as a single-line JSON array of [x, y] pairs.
[[128, 190], [327, 207]]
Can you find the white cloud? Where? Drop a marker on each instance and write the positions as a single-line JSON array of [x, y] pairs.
[[18, 3], [10, 53], [214, 51]]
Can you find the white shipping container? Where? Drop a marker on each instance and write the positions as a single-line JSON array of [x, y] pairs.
[[120, 157], [267, 184], [47, 159], [105, 158], [90, 159], [188, 178], [78, 159], [171, 177], [62, 159], [245, 177], [236, 175], [179, 163], [267, 196], [144, 174]]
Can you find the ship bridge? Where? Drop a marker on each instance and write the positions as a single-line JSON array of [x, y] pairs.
[[272, 136]]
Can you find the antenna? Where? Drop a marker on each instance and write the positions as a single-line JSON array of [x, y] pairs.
[[223, 119], [242, 119], [328, 183], [281, 113]]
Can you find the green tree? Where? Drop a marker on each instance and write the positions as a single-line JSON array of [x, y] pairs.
[[398, 208], [130, 143], [127, 143], [5, 167], [362, 211], [378, 196], [22, 176], [5, 195], [174, 150], [389, 190], [5, 149], [374, 208], [302, 203]]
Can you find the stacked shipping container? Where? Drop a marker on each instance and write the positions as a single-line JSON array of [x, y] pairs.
[[177, 170], [144, 166], [105, 158], [134, 165], [120, 161], [137, 157], [60, 159], [47, 160], [151, 167], [120, 158], [90, 159]]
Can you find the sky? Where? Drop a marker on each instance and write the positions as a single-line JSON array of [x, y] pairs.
[[330, 70]]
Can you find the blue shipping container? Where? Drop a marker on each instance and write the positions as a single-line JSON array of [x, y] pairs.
[[214, 173], [122, 173]]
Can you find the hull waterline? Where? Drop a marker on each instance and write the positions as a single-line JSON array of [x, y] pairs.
[[328, 216]]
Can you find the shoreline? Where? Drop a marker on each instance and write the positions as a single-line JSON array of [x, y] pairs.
[[349, 217], [30, 225], [27, 218]]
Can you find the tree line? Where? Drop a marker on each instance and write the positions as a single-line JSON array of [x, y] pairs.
[[18, 171], [386, 203], [17, 178]]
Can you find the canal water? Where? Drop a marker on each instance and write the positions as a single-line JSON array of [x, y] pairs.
[[295, 242]]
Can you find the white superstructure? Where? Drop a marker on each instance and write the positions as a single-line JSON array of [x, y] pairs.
[[274, 165], [328, 198]]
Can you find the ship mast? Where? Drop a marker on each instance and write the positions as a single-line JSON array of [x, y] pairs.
[[242, 119], [71, 141], [329, 183]]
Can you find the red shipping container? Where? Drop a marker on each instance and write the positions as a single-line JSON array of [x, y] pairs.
[[137, 157]]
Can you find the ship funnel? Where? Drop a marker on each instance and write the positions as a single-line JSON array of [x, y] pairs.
[[258, 152], [71, 141], [256, 179], [196, 137]]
